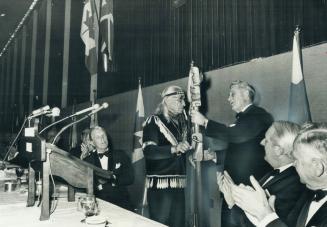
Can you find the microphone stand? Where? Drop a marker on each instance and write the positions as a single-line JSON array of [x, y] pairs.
[[56, 122], [70, 124], [61, 120]]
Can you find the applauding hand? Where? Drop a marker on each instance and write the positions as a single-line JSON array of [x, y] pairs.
[[225, 184], [253, 200]]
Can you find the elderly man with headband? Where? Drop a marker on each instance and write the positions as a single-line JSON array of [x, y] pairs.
[[166, 137]]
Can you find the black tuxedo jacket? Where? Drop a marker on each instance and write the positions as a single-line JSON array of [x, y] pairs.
[[287, 188], [319, 219], [114, 190], [245, 155]]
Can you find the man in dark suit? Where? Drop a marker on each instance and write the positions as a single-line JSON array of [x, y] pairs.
[[244, 155], [117, 161], [310, 153], [283, 181]]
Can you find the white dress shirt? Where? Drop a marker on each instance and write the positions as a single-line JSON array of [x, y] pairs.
[[314, 207], [104, 162], [245, 107]]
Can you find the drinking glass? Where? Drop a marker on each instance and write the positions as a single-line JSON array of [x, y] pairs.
[[19, 173], [89, 206]]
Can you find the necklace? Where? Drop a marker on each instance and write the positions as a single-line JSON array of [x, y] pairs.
[[180, 128]]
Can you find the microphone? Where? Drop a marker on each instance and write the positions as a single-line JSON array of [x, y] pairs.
[[103, 106], [40, 110], [54, 112], [94, 107]]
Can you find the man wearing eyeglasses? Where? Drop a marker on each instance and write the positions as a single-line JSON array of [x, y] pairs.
[[244, 156]]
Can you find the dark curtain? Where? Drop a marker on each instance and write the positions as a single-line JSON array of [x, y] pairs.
[[156, 41]]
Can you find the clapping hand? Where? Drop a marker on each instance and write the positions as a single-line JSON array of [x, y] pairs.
[[253, 200], [86, 149], [225, 184]]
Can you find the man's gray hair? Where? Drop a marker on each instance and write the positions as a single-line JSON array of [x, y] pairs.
[[94, 129], [315, 136], [246, 86], [285, 133]]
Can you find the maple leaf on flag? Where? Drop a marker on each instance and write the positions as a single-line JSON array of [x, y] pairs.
[[138, 132]]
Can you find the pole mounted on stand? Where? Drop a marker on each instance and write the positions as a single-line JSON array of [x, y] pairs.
[[194, 97]]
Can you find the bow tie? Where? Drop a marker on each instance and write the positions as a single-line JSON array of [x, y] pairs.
[[274, 172], [318, 195], [103, 154]]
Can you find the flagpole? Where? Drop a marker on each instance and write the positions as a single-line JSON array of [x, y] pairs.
[[194, 97]]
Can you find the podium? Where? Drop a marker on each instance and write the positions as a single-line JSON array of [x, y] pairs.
[[56, 162]]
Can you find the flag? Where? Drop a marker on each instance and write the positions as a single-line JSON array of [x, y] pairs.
[[138, 159], [89, 35], [107, 32], [299, 110], [138, 132]]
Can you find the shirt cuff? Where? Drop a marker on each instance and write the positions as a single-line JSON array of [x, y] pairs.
[[268, 219]]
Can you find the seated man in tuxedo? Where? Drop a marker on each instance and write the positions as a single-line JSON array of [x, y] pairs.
[[114, 190], [310, 153], [283, 181]]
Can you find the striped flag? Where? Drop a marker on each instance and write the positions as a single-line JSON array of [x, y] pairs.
[[89, 34], [299, 110], [138, 132], [107, 32]]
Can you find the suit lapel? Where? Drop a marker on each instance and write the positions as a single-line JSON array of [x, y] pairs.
[[96, 159], [264, 178], [284, 174], [319, 216], [111, 162], [303, 214]]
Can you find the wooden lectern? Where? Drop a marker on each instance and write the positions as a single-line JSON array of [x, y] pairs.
[[60, 163]]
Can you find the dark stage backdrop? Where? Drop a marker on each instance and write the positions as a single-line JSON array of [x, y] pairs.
[[156, 41]]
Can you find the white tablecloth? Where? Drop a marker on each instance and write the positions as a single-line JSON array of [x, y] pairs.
[[14, 213]]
